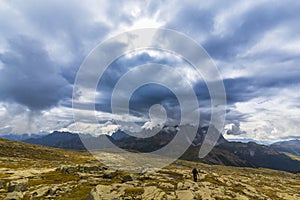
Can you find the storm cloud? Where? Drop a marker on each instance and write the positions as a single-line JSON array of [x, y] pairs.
[[255, 45], [29, 77]]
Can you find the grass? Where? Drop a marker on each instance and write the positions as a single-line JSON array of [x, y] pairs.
[[4, 175], [109, 181], [17, 156], [212, 181], [11, 149], [173, 175], [270, 194], [292, 156], [53, 177], [223, 198], [15, 164], [133, 191], [237, 188], [79, 193]]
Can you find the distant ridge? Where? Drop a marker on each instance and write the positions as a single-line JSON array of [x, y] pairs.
[[22, 137], [58, 139], [291, 146], [227, 153]]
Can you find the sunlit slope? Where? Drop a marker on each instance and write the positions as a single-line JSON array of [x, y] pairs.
[[36, 172]]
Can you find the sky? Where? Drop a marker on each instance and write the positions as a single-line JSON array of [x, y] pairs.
[[254, 44]]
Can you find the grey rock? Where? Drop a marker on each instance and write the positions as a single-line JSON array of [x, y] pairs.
[[14, 196], [152, 192], [46, 191], [168, 186], [185, 194], [17, 185], [109, 174], [101, 192], [2, 185], [126, 178]]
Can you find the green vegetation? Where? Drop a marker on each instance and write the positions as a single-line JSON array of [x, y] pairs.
[[53, 177], [76, 173], [292, 156], [212, 180], [81, 193], [173, 175], [4, 175], [133, 191]]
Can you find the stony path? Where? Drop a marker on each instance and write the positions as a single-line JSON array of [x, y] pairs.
[[68, 175], [177, 184]]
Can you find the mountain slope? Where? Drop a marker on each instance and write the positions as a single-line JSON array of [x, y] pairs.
[[224, 153], [262, 156], [292, 146], [30, 171], [12, 151], [53, 139], [21, 137]]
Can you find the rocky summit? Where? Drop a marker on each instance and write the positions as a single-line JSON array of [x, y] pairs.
[[35, 172], [224, 152]]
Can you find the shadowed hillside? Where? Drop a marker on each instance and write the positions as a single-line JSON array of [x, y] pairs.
[[292, 146], [224, 153], [35, 172]]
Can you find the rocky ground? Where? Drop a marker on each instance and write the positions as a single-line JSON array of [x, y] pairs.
[[35, 172]]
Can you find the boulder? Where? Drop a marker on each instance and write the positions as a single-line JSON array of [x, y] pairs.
[[102, 192], [17, 185], [53, 190], [152, 192], [186, 185], [126, 178], [44, 191], [2, 185], [14, 196], [167, 186], [67, 169], [109, 174], [185, 194]]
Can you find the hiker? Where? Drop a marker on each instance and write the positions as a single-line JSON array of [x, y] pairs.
[[195, 174]]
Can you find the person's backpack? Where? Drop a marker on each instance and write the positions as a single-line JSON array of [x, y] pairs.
[[194, 171]]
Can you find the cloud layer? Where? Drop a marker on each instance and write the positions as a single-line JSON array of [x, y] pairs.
[[255, 44]]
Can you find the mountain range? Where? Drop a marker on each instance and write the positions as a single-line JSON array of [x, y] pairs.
[[22, 137], [291, 146], [227, 153], [29, 171]]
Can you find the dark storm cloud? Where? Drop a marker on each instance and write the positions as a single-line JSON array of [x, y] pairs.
[[244, 30], [71, 19], [252, 27], [152, 94], [247, 25], [143, 98], [233, 115], [42, 45], [68, 30], [243, 89], [45, 46], [29, 77], [57, 18], [246, 88], [240, 89]]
